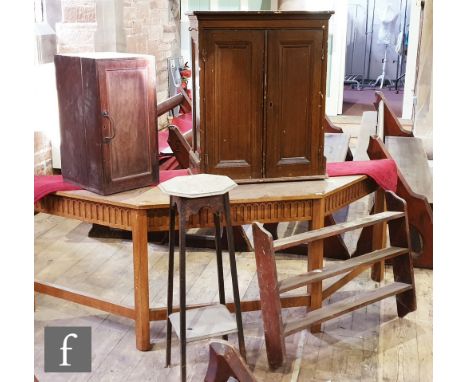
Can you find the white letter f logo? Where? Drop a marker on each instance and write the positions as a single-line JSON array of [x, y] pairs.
[[65, 349]]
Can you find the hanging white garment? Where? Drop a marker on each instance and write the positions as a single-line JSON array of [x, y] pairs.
[[388, 21]]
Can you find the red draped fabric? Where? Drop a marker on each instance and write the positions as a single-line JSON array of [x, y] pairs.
[[383, 171], [47, 184]]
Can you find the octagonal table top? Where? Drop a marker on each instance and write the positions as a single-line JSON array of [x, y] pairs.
[[197, 186]]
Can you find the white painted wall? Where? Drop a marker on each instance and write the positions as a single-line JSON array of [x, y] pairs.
[[336, 49], [410, 77], [44, 109]]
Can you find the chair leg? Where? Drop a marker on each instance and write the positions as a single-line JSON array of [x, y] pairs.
[[235, 286], [170, 283], [219, 262], [183, 332]]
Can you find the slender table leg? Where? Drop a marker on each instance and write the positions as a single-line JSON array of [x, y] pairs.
[[182, 291], [219, 258], [170, 281], [379, 236], [315, 257], [219, 261], [140, 275], [235, 284]]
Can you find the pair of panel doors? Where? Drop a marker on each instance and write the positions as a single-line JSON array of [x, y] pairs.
[[264, 103]]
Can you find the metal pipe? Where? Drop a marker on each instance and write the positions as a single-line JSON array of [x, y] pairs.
[[370, 46], [365, 46], [399, 56], [402, 55]]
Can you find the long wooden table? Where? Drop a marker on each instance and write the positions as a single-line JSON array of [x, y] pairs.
[[144, 210]]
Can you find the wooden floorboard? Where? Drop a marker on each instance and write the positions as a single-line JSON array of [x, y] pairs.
[[369, 344]]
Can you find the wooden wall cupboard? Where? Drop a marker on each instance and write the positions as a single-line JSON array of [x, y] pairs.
[[107, 105], [259, 83]]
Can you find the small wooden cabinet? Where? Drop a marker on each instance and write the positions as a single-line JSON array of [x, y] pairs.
[[259, 83], [107, 120]]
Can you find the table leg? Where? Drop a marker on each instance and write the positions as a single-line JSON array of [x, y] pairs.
[[235, 284], [170, 281], [182, 297], [379, 236], [315, 257], [140, 275]]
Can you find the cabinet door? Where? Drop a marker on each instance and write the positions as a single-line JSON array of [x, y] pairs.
[[294, 134], [127, 96], [233, 107]]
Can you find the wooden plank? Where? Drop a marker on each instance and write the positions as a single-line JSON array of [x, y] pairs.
[[179, 146], [336, 147], [411, 158], [367, 128], [330, 127], [334, 247], [379, 235], [269, 296], [169, 104], [83, 299], [336, 269], [322, 233], [341, 282], [205, 322], [344, 306]]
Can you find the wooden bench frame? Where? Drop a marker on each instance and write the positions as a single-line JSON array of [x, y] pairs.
[[181, 99], [330, 127], [419, 209], [271, 288], [391, 124]]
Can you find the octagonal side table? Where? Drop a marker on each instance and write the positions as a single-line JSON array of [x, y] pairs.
[[188, 195]]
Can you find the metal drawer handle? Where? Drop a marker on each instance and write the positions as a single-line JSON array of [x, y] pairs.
[[105, 114]]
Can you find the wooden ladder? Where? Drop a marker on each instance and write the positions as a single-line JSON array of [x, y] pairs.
[[270, 288]]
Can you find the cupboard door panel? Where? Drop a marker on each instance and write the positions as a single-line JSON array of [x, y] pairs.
[[294, 114], [233, 78], [128, 122]]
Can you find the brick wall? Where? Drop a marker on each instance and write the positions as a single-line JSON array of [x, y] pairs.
[[150, 27], [76, 32], [42, 154]]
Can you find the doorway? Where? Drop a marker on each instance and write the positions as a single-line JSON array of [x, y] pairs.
[[376, 54]]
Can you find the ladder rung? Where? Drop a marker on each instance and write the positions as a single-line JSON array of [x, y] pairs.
[[344, 306], [336, 269], [334, 230]]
